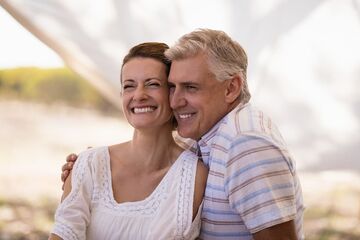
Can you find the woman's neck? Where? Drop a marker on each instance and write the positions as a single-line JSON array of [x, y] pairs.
[[154, 148]]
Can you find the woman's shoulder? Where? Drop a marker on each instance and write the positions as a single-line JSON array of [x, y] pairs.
[[93, 150], [122, 147], [92, 155]]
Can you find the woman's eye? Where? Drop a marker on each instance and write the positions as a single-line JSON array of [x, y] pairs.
[[128, 87], [153, 84]]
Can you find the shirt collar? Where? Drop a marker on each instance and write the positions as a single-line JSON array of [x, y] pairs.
[[208, 137]]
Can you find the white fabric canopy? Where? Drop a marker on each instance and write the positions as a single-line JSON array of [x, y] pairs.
[[304, 57]]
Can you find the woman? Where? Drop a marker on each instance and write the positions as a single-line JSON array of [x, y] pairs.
[[147, 188]]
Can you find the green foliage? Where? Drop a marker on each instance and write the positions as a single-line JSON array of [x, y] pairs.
[[51, 86]]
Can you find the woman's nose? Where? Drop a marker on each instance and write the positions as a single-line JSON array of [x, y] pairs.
[[140, 93]]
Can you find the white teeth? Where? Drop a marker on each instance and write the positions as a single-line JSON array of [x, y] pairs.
[[143, 110], [184, 116]]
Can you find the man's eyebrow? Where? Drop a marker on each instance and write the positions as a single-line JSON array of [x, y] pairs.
[[189, 84], [184, 83]]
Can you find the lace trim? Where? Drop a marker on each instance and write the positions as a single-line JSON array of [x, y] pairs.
[[64, 231], [186, 191], [79, 172], [104, 195]]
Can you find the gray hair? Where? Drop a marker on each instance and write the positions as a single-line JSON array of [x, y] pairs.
[[226, 58]]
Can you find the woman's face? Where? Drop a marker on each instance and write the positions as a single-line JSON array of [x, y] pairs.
[[145, 93]]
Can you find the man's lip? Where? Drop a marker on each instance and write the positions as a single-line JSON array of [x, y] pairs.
[[184, 116]]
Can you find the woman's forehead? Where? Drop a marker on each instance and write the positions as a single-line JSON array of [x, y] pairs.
[[142, 69]]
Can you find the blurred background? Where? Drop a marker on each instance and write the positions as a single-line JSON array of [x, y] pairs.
[[59, 93]]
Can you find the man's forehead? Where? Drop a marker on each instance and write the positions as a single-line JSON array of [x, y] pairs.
[[186, 67]]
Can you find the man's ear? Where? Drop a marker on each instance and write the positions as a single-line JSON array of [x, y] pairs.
[[233, 89]]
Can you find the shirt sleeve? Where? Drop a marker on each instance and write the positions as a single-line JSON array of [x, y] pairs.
[[260, 182], [73, 214]]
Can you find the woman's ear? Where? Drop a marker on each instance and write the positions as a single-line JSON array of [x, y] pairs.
[[233, 89]]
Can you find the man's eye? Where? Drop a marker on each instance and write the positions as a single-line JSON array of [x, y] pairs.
[[171, 87], [191, 88]]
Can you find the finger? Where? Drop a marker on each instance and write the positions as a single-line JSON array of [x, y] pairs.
[[67, 166], [71, 158], [64, 175]]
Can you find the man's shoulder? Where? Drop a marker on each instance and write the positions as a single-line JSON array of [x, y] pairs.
[[244, 118], [249, 122]]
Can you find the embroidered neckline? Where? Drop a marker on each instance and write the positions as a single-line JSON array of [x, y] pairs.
[[96, 162], [147, 206]]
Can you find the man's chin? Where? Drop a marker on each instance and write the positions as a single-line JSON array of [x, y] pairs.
[[185, 133]]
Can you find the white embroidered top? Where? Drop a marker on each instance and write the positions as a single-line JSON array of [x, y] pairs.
[[91, 212]]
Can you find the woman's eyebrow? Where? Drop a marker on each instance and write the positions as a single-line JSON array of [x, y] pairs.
[[128, 80], [152, 78]]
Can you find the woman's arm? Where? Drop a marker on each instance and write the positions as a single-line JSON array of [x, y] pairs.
[[67, 190], [200, 185], [73, 214]]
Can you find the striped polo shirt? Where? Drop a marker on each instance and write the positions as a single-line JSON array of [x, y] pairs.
[[252, 182]]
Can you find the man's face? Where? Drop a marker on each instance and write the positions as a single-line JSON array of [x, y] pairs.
[[196, 97]]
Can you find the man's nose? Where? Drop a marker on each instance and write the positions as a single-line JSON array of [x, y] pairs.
[[177, 99]]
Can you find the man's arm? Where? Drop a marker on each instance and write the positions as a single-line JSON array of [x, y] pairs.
[[261, 187], [282, 231]]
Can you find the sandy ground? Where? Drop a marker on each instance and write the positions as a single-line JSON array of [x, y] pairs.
[[34, 140]]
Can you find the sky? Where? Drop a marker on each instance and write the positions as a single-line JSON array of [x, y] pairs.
[[18, 47]]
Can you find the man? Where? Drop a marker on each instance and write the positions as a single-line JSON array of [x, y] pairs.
[[252, 191]]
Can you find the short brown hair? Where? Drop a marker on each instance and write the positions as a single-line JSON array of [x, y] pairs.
[[153, 50]]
